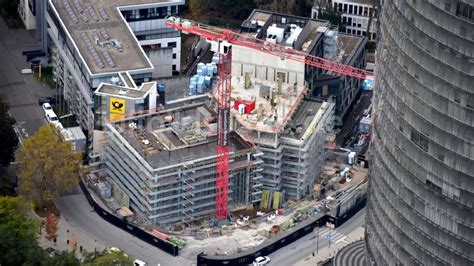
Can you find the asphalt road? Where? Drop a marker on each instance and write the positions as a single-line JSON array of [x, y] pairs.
[[306, 245], [20, 91], [79, 214], [354, 116]]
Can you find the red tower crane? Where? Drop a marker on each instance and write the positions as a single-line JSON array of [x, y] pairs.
[[222, 39]]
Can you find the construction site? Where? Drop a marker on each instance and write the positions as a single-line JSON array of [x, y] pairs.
[[247, 162]]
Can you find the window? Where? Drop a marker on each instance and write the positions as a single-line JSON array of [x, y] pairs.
[[172, 44], [447, 5], [350, 9], [420, 140], [174, 68], [174, 56], [465, 10]]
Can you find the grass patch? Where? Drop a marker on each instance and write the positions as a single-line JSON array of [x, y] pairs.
[[9, 12]]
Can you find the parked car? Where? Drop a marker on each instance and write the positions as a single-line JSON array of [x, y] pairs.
[[262, 260], [51, 117], [46, 107], [50, 100]]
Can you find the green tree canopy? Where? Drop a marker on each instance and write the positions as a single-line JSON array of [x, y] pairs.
[[18, 244], [48, 166], [18, 237], [65, 258], [107, 258], [8, 137]]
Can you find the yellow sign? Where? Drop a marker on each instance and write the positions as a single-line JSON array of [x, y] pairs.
[[116, 117], [117, 106]]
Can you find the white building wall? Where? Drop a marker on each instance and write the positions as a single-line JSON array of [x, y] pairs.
[[154, 26], [265, 66], [356, 13]]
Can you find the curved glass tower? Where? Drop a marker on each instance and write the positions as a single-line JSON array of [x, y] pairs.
[[421, 199]]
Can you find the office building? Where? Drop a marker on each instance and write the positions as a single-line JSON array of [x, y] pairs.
[[421, 192], [355, 15]]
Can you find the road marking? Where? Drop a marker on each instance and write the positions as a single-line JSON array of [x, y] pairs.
[[340, 240]]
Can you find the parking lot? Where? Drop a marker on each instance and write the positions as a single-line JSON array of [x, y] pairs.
[[20, 91]]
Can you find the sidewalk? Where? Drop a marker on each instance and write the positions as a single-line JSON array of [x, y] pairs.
[[326, 252], [66, 231]]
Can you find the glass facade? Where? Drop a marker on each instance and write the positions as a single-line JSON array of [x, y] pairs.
[[149, 13], [420, 209]]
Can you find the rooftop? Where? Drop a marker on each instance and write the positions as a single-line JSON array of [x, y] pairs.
[[294, 31], [175, 136], [348, 46], [101, 34], [304, 117], [124, 86], [267, 117]]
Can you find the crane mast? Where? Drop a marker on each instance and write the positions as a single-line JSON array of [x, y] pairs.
[[224, 38], [223, 113]]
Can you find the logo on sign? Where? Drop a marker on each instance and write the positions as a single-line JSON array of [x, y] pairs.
[[117, 106]]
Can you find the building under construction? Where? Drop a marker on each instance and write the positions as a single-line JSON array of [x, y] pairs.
[[163, 165]]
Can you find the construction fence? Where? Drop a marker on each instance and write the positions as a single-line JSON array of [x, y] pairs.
[[130, 228]]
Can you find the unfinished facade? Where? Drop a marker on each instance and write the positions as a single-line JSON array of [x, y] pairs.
[[315, 37], [288, 130], [162, 165], [421, 191]]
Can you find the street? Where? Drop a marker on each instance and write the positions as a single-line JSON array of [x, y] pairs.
[[20, 91], [83, 219], [354, 116], [305, 246]]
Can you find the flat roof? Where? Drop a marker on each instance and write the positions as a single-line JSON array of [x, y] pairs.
[[189, 136], [349, 45], [312, 28], [111, 89], [267, 118], [303, 117], [95, 19]]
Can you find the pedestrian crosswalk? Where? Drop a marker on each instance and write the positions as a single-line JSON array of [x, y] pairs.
[[326, 233]]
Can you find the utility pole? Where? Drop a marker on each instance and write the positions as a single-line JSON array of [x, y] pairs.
[[317, 240]]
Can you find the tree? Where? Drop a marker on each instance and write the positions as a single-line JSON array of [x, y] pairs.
[[333, 16], [18, 244], [8, 137], [48, 167], [107, 258], [51, 226], [65, 258]]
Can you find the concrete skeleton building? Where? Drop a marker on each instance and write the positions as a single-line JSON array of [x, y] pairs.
[[162, 165], [289, 126], [316, 37], [421, 186], [355, 15]]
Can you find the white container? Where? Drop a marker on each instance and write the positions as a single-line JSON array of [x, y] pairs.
[[351, 158], [241, 108]]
